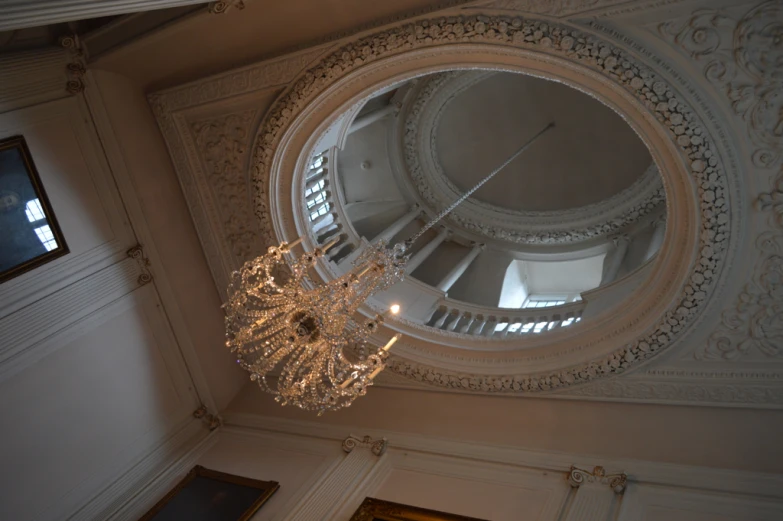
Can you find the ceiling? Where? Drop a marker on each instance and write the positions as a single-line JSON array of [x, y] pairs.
[[590, 155]]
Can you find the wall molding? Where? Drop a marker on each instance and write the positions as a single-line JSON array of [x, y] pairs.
[[638, 472], [333, 77]]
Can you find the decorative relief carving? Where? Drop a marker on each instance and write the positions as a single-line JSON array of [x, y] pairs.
[[755, 324], [714, 392], [378, 447], [773, 201], [137, 253], [263, 76], [643, 197], [223, 144], [550, 7], [745, 59], [76, 68], [223, 6], [663, 102], [209, 419], [617, 482]]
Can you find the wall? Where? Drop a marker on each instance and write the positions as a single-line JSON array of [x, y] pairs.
[[96, 396], [318, 481]]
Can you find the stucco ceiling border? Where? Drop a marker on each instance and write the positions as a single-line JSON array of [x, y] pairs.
[[602, 61], [417, 127]]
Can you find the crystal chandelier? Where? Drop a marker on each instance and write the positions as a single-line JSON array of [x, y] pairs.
[[301, 340]]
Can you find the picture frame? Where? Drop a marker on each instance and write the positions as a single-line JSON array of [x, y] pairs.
[[209, 495], [29, 233], [373, 509]]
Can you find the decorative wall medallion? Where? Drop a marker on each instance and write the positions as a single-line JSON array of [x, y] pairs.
[[378, 447], [744, 58], [653, 92], [222, 144], [610, 216]]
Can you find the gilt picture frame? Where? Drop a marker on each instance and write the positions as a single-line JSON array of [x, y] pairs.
[[29, 233], [373, 509], [209, 495]]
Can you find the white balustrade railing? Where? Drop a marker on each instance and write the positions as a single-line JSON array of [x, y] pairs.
[[461, 317], [322, 210]]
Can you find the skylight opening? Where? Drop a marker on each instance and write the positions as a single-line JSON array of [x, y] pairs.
[[536, 303]]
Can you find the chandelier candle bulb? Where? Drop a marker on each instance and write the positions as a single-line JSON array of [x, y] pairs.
[[391, 342], [290, 245]]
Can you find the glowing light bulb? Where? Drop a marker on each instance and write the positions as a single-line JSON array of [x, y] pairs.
[[395, 308]]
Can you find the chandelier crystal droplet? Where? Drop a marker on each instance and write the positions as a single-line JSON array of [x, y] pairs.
[[304, 341]]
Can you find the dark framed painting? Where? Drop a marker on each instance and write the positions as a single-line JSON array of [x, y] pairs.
[[373, 509], [29, 233], [209, 495]]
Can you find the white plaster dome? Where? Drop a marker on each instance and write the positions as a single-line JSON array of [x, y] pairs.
[[591, 154]]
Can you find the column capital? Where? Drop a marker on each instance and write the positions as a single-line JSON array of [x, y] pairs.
[[617, 482], [377, 447]]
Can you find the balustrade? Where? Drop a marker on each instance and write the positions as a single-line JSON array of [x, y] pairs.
[[461, 317], [322, 210]]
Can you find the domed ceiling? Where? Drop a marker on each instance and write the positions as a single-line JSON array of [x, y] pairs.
[[586, 179], [591, 155]]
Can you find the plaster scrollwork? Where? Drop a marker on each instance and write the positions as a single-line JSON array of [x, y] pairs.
[[550, 7], [664, 103], [773, 201], [377, 447], [137, 253], [744, 58], [617, 482], [76, 68], [645, 196], [729, 391], [225, 5], [222, 144], [755, 324]]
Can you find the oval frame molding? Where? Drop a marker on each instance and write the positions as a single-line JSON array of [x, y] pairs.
[[695, 249]]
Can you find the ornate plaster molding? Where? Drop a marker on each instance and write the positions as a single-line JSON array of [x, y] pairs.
[[421, 120], [137, 253], [210, 420], [576, 8], [664, 104], [617, 482], [225, 5], [222, 144], [732, 391], [742, 57], [377, 447], [172, 108], [755, 324], [76, 68]]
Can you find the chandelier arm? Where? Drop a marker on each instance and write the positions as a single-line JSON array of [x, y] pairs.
[[458, 201]]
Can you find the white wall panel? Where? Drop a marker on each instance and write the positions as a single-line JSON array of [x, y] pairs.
[[653, 503], [95, 405], [294, 462], [80, 188]]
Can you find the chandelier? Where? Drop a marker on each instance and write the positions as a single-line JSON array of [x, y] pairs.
[[301, 340]]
